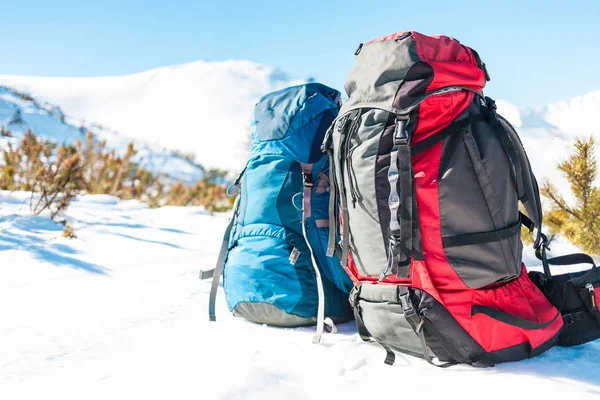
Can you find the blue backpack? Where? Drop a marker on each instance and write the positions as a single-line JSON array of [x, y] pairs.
[[273, 258]]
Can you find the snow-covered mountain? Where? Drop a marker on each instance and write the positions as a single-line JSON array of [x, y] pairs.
[[19, 113], [203, 108]]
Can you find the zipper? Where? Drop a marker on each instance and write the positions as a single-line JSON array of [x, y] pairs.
[[592, 292], [347, 154], [342, 128]]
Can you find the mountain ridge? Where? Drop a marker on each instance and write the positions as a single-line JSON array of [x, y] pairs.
[[193, 107]]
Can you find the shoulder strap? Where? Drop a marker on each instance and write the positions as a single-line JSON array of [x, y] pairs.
[[217, 271], [530, 196], [307, 213]]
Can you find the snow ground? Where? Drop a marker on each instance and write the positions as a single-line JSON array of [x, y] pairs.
[[119, 313]]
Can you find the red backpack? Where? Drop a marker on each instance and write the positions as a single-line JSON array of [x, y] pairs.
[[428, 181]]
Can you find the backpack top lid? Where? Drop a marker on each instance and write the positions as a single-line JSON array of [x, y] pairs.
[[292, 122], [394, 72]]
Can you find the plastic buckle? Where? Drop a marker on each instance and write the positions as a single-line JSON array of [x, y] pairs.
[[568, 320], [541, 249], [400, 134]]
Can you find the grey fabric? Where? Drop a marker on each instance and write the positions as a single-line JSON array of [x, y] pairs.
[[380, 293], [533, 205], [477, 194], [367, 242], [378, 72], [265, 313], [387, 324]]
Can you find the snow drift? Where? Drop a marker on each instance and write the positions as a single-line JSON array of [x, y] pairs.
[[120, 313]]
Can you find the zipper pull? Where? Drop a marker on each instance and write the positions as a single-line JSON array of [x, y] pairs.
[[592, 291]]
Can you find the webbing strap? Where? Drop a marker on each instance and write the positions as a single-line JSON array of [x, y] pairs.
[[394, 206], [425, 349], [569, 259], [390, 357], [481, 237], [360, 324], [218, 270], [510, 319], [575, 316], [306, 192], [306, 213], [406, 209], [333, 217], [509, 148], [527, 222]]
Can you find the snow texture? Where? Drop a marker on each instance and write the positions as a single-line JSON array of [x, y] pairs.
[[200, 107], [119, 313], [50, 123]]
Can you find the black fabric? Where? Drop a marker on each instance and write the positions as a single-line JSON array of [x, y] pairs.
[[315, 149], [518, 352], [509, 148], [481, 65], [482, 237], [533, 205], [410, 233], [476, 195], [511, 319], [415, 84], [405, 217], [527, 222], [382, 187], [390, 357], [426, 354], [574, 294], [333, 214], [444, 335], [455, 126]]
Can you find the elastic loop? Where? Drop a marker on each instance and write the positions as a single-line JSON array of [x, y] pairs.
[[301, 208]]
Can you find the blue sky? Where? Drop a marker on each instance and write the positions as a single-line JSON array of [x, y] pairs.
[[536, 51]]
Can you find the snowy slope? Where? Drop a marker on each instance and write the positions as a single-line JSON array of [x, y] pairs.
[[120, 314], [201, 107], [49, 122]]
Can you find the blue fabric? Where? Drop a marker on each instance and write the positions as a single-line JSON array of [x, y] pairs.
[[288, 128]]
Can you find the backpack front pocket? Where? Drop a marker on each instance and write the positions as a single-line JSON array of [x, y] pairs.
[[480, 227]]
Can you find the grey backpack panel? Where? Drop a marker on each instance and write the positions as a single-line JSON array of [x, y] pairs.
[[378, 74], [477, 195], [356, 172], [265, 313]]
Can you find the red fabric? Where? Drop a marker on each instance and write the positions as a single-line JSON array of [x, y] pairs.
[[393, 36], [426, 168], [597, 295], [454, 64]]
